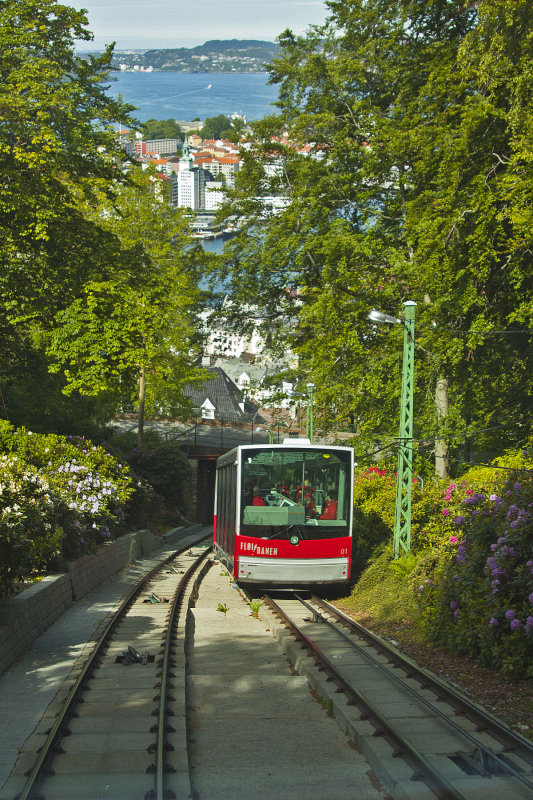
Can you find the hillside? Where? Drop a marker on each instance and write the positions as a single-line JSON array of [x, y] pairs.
[[232, 55]]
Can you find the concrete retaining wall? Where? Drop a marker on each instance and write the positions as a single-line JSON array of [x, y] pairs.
[[25, 617]]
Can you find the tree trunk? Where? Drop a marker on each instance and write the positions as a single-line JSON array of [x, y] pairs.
[[442, 451], [140, 413]]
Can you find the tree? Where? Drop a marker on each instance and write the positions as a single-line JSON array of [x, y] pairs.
[[403, 163], [131, 332], [56, 136], [218, 127], [56, 144], [162, 129]]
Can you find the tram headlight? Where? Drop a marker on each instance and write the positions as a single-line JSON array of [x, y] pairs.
[[294, 539]]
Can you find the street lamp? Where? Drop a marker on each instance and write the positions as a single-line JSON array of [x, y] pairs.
[[404, 480], [310, 389]]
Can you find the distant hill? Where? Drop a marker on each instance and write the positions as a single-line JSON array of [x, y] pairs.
[[231, 55]]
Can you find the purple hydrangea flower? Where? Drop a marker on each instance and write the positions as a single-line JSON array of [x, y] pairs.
[[510, 613], [515, 624], [531, 599], [493, 621], [454, 604], [517, 486]]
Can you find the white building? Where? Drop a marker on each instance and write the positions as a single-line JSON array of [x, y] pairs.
[[221, 340], [214, 195]]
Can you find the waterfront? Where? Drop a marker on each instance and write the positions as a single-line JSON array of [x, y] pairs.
[[184, 95]]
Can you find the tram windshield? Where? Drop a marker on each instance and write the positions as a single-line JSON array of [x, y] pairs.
[[295, 491]]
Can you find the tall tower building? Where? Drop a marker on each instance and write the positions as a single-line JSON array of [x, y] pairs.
[[191, 181]]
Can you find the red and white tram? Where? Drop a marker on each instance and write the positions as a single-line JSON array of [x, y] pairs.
[[283, 513]]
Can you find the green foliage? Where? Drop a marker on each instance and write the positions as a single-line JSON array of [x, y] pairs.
[[161, 464], [161, 129], [374, 513], [404, 566], [255, 605], [58, 496], [32, 397], [133, 329], [383, 596], [374, 497], [218, 127], [31, 533], [470, 572], [415, 184], [56, 142], [477, 595]]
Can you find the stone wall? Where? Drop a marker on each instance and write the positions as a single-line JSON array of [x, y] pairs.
[[23, 618]]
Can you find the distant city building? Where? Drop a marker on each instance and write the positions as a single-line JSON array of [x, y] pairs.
[[195, 125], [220, 340], [214, 195], [158, 146]]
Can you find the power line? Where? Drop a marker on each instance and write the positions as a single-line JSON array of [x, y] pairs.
[[455, 331]]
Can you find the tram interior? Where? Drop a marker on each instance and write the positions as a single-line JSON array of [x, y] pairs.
[[295, 487]]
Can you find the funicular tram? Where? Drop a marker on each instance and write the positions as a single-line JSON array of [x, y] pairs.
[[283, 513]]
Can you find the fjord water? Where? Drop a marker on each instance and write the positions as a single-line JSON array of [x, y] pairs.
[[186, 95]]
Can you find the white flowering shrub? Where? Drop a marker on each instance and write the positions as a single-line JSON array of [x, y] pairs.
[[59, 496], [31, 533]]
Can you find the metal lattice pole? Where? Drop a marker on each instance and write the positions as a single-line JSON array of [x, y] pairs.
[[309, 422], [404, 481]]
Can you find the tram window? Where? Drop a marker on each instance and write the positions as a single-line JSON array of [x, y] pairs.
[[295, 487]]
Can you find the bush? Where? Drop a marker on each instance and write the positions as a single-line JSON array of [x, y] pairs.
[[374, 493], [477, 596], [163, 466], [31, 533], [58, 496], [374, 511]]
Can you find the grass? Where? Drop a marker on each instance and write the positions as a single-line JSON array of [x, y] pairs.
[[383, 598]]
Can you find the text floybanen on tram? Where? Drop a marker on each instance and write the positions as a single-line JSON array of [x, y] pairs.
[[283, 513]]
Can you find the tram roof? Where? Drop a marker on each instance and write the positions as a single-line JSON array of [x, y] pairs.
[[287, 444]]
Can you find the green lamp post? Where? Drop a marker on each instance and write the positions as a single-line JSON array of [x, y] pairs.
[[404, 480]]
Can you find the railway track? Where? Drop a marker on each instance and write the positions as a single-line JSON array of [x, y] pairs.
[[119, 730], [423, 739]]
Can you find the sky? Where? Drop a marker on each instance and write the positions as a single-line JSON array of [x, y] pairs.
[[175, 23]]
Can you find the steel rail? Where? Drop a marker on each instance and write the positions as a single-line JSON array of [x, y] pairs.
[[483, 749], [436, 782], [160, 770], [38, 772], [484, 722]]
